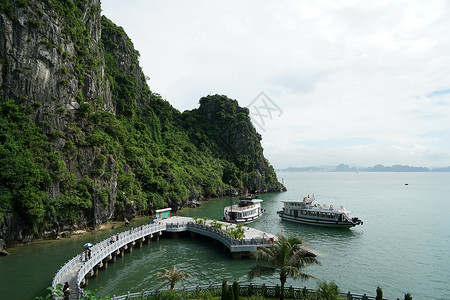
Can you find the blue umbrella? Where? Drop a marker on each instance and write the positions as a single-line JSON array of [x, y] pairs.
[[88, 245]]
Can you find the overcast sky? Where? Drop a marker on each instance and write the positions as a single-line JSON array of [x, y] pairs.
[[326, 82]]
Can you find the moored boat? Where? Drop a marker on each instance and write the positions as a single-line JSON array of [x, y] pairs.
[[305, 212], [247, 210]]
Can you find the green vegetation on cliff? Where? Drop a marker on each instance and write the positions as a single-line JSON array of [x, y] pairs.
[[224, 127], [24, 153], [93, 142]]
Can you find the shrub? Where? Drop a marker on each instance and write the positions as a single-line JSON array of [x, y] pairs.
[[103, 196], [172, 294], [34, 23], [235, 290], [58, 133], [379, 294], [328, 291], [95, 139], [224, 289], [84, 110], [63, 70], [227, 292]]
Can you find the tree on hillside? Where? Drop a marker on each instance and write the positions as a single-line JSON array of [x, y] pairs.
[[173, 276], [285, 256]]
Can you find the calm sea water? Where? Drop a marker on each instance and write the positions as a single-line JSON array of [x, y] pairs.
[[402, 247]]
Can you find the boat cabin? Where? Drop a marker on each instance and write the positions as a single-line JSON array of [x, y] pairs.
[[305, 208], [245, 211]]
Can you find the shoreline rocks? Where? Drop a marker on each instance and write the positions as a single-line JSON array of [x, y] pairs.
[[3, 248]]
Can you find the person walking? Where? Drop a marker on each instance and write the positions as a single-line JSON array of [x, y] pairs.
[[66, 291], [86, 254]]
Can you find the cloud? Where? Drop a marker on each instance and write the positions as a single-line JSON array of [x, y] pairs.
[[362, 82]]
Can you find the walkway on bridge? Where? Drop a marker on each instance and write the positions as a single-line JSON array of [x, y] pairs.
[[77, 270]]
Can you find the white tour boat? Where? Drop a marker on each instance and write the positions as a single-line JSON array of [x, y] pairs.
[[248, 209], [305, 212]]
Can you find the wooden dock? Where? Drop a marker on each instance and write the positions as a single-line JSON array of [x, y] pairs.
[[78, 270]]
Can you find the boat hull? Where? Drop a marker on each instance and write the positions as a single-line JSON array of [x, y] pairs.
[[316, 221]]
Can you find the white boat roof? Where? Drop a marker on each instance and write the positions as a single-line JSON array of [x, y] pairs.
[[252, 200], [337, 209], [256, 200], [334, 210], [284, 201]]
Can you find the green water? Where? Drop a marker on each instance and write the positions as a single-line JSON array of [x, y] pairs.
[[29, 270], [403, 245]]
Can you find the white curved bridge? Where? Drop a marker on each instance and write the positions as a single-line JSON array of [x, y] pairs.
[[77, 271]]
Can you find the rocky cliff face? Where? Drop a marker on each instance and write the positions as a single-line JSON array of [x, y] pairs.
[[221, 123], [85, 140], [42, 61], [52, 64]]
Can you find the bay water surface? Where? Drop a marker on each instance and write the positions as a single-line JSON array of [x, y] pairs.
[[403, 246]]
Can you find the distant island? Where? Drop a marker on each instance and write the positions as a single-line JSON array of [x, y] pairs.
[[376, 168]]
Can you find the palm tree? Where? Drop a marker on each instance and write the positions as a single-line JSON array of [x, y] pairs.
[[173, 276], [285, 256], [328, 291]]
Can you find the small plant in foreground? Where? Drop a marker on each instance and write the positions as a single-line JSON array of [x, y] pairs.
[[328, 291], [379, 294]]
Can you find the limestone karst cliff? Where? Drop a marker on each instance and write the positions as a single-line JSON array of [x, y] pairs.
[[84, 140]]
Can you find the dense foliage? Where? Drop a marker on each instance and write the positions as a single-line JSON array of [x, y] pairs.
[[28, 168], [24, 154], [221, 125]]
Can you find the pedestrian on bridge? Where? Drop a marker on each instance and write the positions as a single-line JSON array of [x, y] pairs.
[[86, 254], [66, 291]]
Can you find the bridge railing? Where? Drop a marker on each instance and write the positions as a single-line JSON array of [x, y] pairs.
[[224, 236], [246, 290], [63, 270], [105, 248]]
